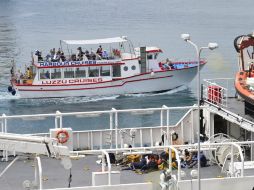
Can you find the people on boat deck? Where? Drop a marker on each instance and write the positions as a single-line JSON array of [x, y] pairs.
[[147, 162], [47, 75], [116, 52], [12, 71], [28, 73], [99, 51], [73, 57], [105, 54], [52, 53], [62, 57], [191, 159], [38, 54], [18, 76], [169, 64], [87, 53], [79, 54], [92, 55]]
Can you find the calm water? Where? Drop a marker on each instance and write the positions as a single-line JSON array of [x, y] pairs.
[[31, 24]]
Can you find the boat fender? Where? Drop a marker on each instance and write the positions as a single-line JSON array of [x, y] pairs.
[[62, 136], [174, 136], [9, 88], [13, 92]]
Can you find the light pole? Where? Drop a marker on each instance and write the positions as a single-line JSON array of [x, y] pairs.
[[211, 46]]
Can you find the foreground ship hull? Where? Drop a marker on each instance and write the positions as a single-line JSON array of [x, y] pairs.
[[143, 83], [244, 80]]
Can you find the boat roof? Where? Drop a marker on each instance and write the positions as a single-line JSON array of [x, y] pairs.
[[150, 49], [96, 41]]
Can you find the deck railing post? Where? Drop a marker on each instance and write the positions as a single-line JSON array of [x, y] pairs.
[[116, 129], [112, 125], [161, 117], [38, 172], [4, 130], [58, 120]]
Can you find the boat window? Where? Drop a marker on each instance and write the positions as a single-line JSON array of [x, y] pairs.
[[133, 67], [116, 71], [93, 71], [125, 68], [156, 55], [44, 73], [81, 72], [69, 73], [55, 73], [105, 71], [149, 56]]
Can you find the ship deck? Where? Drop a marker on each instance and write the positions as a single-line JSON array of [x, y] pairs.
[[55, 176], [236, 106]]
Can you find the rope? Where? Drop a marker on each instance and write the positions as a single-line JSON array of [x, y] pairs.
[[70, 179]]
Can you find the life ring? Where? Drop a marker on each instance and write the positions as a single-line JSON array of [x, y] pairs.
[[174, 136], [62, 136]]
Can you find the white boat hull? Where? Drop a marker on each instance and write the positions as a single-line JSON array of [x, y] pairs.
[[144, 83]]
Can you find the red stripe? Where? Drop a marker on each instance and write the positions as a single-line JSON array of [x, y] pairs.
[[130, 59], [87, 65], [98, 87], [154, 51]]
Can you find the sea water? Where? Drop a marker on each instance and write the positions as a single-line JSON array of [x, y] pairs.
[[26, 26]]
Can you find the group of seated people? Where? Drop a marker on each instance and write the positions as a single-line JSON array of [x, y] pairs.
[[190, 159], [58, 56], [54, 56], [152, 162]]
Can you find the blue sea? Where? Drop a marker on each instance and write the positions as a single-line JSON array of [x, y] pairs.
[[35, 24]]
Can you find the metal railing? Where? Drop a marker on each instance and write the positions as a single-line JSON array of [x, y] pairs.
[[217, 91], [115, 135]]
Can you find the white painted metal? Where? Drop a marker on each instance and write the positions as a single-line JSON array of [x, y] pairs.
[[38, 172], [32, 144], [96, 41], [137, 84], [141, 136], [219, 98], [131, 186]]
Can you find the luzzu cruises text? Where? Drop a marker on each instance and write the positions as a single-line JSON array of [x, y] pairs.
[[113, 71]]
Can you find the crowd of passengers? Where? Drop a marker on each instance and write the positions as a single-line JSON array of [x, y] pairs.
[[152, 162], [59, 56]]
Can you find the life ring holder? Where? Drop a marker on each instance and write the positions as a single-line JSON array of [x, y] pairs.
[[62, 136]]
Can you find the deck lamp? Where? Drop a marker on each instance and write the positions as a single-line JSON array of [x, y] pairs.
[[211, 46]]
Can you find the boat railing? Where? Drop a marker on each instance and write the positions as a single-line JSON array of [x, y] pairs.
[[217, 91]]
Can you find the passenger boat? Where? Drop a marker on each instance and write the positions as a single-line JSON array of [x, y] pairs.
[[244, 80], [116, 68]]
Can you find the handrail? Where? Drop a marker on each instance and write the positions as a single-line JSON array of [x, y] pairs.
[[109, 165], [97, 112]]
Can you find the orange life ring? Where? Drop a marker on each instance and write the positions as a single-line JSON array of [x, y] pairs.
[[62, 136]]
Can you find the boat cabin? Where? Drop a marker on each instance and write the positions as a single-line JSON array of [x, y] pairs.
[[115, 58]]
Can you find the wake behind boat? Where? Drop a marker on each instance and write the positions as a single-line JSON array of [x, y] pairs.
[[118, 69]]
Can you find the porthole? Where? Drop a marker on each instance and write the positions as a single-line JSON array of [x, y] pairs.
[[133, 67], [125, 68]]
